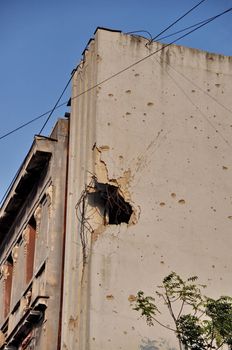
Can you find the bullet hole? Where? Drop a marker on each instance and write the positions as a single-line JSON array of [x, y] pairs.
[[181, 201], [230, 217], [110, 297], [108, 124], [161, 262], [193, 90], [110, 95], [150, 103], [112, 206], [128, 113], [213, 266], [195, 127], [224, 167], [137, 75], [144, 113], [132, 298], [208, 90], [217, 85], [162, 204], [173, 195], [128, 91]]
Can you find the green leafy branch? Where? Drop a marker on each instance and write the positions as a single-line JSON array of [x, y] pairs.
[[200, 322]]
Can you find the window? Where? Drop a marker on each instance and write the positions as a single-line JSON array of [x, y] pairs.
[[30, 235], [7, 285]]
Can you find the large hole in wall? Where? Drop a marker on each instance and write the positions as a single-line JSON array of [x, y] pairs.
[[112, 206]]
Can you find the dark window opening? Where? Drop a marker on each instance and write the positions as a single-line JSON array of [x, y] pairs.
[[115, 210], [32, 222], [8, 285], [30, 249]]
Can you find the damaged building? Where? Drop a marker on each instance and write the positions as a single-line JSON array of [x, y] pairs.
[[134, 185], [32, 237]]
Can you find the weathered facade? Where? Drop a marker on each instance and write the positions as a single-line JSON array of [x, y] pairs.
[[32, 235], [147, 191], [160, 133]]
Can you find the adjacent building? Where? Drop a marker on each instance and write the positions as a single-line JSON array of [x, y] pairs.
[[32, 240], [136, 184]]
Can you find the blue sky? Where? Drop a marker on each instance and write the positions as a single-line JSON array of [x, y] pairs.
[[41, 41]]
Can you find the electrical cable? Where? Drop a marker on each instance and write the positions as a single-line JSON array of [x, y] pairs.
[[31, 121], [196, 106], [23, 125], [40, 116], [151, 54], [10, 185], [184, 29], [178, 19], [121, 71], [102, 82], [140, 31], [57, 102], [197, 86]]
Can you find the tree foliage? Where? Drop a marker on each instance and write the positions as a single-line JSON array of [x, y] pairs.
[[200, 322]]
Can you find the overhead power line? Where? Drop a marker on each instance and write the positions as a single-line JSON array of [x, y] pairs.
[[178, 19], [57, 102], [186, 28], [141, 31], [203, 23], [50, 112], [151, 54], [194, 104]]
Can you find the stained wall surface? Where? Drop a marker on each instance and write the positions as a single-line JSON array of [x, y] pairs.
[[31, 246], [161, 132]]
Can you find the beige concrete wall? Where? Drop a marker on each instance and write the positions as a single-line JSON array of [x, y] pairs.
[[161, 130]]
